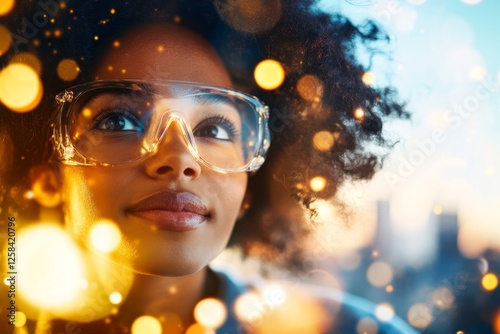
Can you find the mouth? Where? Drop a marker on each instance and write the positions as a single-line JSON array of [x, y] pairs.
[[174, 211]]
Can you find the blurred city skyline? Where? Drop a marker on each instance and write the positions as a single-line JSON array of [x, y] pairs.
[[444, 61]]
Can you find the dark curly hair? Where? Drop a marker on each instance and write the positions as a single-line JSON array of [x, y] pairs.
[[322, 90]]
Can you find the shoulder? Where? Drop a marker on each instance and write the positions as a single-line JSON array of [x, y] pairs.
[[274, 307]]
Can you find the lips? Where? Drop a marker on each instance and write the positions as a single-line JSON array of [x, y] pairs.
[[175, 211]]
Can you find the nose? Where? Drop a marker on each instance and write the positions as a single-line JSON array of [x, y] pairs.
[[172, 158]]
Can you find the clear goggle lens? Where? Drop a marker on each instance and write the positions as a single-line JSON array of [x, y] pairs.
[[114, 124]]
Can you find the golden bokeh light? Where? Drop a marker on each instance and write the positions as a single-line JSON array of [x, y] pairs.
[[323, 141], [443, 298], [52, 267], [310, 88], [20, 87], [368, 78], [420, 316], [437, 210], [29, 194], [29, 59], [86, 112], [68, 69], [379, 274], [389, 289], [252, 16], [210, 313], [20, 319], [359, 114], [245, 307], [146, 324], [269, 74], [105, 236], [384, 312], [116, 44], [489, 282], [5, 39], [199, 329], [366, 326], [115, 298], [318, 183], [6, 6], [496, 321]]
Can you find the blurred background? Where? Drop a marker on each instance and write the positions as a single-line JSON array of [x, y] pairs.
[[425, 237]]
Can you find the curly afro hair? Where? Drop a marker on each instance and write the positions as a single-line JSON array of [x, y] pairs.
[[323, 118]]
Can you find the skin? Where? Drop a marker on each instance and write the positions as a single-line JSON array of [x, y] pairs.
[[160, 258]]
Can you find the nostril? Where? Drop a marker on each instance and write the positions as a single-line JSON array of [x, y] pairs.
[[189, 172], [163, 170]]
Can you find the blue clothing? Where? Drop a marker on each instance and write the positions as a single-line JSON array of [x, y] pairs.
[[352, 309]]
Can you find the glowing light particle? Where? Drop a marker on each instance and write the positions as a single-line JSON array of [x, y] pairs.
[[199, 329], [389, 289], [489, 282], [443, 298], [146, 325], [52, 267], [368, 78], [245, 308], [115, 298], [112, 11], [496, 322], [476, 73], [116, 44], [384, 312], [6, 6], [323, 141], [269, 74], [68, 69], [359, 114], [96, 38], [29, 195], [366, 326], [437, 210], [20, 319], [87, 112], [318, 183], [379, 274], [20, 87], [310, 88], [5, 39], [160, 48], [210, 313], [105, 236], [419, 316]]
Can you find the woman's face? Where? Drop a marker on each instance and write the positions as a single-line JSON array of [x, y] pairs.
[[144, 198]]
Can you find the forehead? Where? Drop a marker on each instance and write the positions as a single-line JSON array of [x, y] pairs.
[[162, 51]]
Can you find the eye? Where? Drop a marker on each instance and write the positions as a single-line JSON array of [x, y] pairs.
[[118, 121], [213, 131], [218, 128]]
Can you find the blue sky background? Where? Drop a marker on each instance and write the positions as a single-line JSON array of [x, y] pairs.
[[441, 54]]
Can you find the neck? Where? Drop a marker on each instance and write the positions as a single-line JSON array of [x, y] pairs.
[[165, 296]]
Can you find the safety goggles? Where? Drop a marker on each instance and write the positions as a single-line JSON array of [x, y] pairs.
[[118, 122]]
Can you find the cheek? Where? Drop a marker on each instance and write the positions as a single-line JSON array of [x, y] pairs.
[[228, 194], [88, 196]]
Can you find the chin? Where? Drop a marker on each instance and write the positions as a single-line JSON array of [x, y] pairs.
[[167, 269]]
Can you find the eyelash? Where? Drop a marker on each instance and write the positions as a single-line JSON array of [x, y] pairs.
[[102, 114], [221, 120]]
